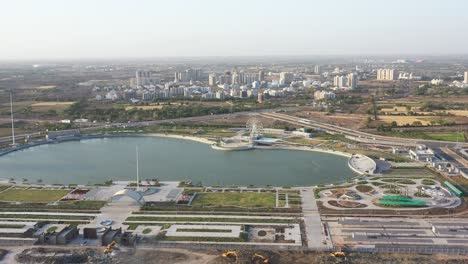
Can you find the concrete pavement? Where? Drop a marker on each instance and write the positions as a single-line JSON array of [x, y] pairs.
[[312, 221]]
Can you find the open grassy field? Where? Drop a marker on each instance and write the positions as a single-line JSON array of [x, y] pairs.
[[235, 199], [36, 106], [6, 131], [410, 172], [32, 196], [445, 136]]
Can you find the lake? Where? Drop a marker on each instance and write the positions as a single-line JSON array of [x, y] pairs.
[[97, 160]]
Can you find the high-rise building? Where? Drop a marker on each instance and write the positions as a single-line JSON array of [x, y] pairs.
[[236, 78], [212, 79], [142, 78], [352, 80], [220, 95], [285, 78], [340, 81], [466, 77], [387, 74], [317, 69], [227, 77], [261, 76], [188, 75]]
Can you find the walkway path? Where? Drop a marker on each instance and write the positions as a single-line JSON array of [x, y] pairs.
[[312, 221], [116, 213]]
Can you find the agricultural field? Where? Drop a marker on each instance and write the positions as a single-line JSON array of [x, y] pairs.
[[32, 195], [405, 120], [235, 199]]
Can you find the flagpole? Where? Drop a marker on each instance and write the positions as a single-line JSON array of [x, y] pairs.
[[137, 170]]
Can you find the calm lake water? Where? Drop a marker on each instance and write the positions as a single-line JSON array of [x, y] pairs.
[[97, 160]]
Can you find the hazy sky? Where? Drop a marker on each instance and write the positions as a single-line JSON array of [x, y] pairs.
[[33, 29]]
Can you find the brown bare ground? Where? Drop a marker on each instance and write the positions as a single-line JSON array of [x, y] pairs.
[[164, 256]]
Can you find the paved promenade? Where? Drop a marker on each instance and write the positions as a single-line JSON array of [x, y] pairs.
[[312, 219]]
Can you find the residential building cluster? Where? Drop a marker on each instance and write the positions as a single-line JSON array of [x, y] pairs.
[[235, 78], [387, 74], [189, 75], [350, 81], [324, 95]]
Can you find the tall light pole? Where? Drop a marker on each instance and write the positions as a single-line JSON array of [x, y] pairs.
[[137, 171], [12, 120]]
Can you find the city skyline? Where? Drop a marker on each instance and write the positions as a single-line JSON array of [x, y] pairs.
[[122, 29]]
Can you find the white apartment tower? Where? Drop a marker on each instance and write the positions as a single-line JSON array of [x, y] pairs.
[[466, 77], [387, 74], [285, 78], [340, 81], [352, 80], [317, 69], [212, 79]]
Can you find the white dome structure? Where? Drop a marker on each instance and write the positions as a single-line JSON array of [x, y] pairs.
[[128, 197]]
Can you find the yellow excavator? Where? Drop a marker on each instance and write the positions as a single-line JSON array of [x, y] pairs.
[[110, 247], [259, 259], [339, 255], [231, 255]]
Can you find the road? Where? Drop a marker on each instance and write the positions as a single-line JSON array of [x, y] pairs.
[[272, 114], [358, 135]]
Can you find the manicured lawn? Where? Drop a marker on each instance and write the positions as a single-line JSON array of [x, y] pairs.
[[32, 196], [11, 226], [51, 217], [427, 182], [203, 230], [81, 205], [204, 219], [52, 229], [4, 187], [235, 199]]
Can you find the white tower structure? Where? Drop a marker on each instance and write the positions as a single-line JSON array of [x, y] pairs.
[[12, 120]]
